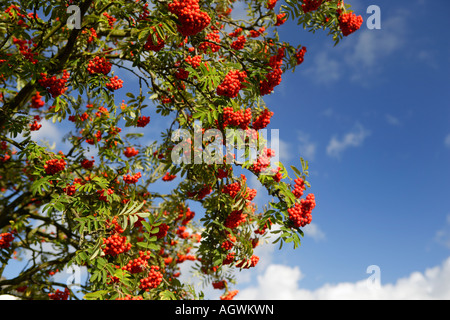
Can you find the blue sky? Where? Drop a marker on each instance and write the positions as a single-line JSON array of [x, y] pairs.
[[372, 117]]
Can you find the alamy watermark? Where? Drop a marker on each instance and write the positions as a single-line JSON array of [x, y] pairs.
[[74, 21], [374, 280], [372, 22], [238, 146]]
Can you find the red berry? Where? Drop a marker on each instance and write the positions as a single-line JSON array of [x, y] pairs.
[[311, 5], [114, 83], [99, 65], [153, 279], [349, 23], [192, 20], [232, 84]]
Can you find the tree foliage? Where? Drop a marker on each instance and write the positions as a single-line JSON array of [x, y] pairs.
[[198, 65]]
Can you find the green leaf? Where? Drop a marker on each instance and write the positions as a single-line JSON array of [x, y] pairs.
[[94, 295], [297, 172]]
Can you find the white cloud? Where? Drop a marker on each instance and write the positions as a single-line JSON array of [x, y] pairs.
[[443, 235], [392, 120], [284, 151], [361, 55], [447, 141], [355, 138], [306, 148], [282, 282], [8, 297], [325, 69], [366, 54], [312, 230]]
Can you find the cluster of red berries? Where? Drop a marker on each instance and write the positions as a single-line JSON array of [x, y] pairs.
[[192, 20], [153, 279], [262, 229], [235, 33], [194, 61], [299, 55], [54, 86], [235, 218], [185, 215], [162, 230], [250, 194], [300, 214], [238, 118], [232, 83], [262, 120], [102, 111], [102, 196], [130, 297], [249, 263], [143, 121], [59, 295], [228, 244], [139, 264], [114, 83], [273, 78], [130, 152], [263, 160], [5, 239], [150, 43], [229, 295], [299, 187], [87, 164], [229, 259], [70, 190], [168, 177], [349, 23], [182, 232], [53, 166], [213, 40], [14, 10], [239, 43], [232, 189], [36, 101], [309, 203], [117, 226], [181, 74], [25, 49], [281, 19], [115, 245], [97, 137], [222, 173], [92, 34], [111, 19], [99, 65], [256, 33], [219, 284], [35, 126], [132, 179], [271, 4], [201, 193], [311, 5]]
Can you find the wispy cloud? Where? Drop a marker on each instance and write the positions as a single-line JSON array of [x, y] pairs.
[[306, 147], [447, 141], [280, 282], [443, 234], [392, 120], [313, 231], [325, 69], [362, 55], [285, 150], [354, 138]]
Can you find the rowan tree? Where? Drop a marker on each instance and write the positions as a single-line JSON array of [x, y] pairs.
[[96, 205]]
